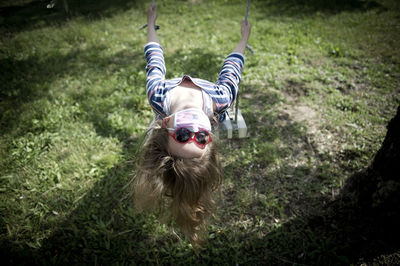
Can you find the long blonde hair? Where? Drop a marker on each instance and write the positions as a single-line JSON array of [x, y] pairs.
[[179, 187]]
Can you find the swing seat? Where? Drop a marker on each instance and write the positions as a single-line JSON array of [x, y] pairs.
[[230, 128]]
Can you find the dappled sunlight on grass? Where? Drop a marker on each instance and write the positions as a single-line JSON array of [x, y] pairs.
[[316, 96]]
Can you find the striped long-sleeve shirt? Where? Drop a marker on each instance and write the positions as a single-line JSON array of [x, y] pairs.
[[222, 93]]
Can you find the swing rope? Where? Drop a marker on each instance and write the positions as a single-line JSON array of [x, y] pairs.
[[251, 50], [247, 10], [153, 2], [245, 19]]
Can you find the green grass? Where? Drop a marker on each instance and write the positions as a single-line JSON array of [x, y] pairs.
[[316, 96]]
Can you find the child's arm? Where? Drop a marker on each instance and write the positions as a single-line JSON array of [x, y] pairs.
[[246, 28], [155, 68], [151, 24], [230, 75], [155, 76], [229, 80]]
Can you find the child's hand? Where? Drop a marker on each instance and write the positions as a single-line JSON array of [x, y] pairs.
[[246, 28], [152, 15]]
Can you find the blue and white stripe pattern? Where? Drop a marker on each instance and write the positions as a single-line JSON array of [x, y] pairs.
[[223, 93]]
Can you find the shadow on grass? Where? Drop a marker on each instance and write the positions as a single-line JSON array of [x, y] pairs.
[[103, 228], [335, 235], [35, 14]]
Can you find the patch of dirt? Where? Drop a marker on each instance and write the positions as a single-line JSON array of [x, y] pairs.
[[321, 140], [300, 113]]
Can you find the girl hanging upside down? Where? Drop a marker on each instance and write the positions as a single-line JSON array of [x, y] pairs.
[[179, 166]]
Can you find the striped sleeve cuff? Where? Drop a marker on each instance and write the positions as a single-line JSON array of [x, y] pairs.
[[238, 56], [152, 45]]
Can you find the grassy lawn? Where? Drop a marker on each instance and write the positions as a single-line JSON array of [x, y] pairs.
[[317, 94]]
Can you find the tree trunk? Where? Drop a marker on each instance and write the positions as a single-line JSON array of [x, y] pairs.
[[367, 212], [377, 189]]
